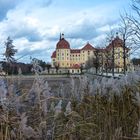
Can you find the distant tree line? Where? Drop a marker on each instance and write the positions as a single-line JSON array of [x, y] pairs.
[[13, 68], [136, 61]]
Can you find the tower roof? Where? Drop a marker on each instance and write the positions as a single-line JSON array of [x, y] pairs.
[[62, 43], [53, 54], [117, 42]]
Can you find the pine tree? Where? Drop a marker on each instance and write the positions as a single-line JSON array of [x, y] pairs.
[[10, 50]]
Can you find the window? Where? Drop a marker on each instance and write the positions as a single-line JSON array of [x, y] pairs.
[[72, 71], [118, 55]]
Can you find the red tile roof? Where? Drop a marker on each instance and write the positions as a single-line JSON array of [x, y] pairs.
[[63, 44], [75, 50], [88, 47], [53, 54], [117, 42]]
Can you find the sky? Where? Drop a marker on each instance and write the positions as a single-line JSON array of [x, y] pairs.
[[35, 25]]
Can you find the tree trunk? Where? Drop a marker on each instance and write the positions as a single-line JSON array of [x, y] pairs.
[[113, 63], [124, 58]]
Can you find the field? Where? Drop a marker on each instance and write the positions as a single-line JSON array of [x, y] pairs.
[[54, 82], [70, 108]]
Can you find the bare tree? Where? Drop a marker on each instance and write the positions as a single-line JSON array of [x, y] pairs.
[[48, 65], [127, 36], [81, 68], [56, 65], [110, 57], [96, 61], [130, 30], [135, 19], [107, 60], [89, 63]]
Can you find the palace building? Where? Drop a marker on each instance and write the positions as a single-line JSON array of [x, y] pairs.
[[69, 58], [73, 59], [117, 44]]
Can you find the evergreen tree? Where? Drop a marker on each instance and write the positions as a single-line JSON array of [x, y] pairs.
[[10, 50]]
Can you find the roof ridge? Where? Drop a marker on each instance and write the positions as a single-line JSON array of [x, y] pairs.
[[88, 46]]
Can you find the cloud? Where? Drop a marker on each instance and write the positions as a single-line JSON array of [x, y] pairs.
[[41, 49], [30, 5], [87, 24], [27, 27], [29, 33], [27, 51], [5, 6], [25, 54], [19, 19], [81, 30], [42, 3]]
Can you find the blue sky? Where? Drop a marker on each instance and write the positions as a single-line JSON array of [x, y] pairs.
[[35, 25]]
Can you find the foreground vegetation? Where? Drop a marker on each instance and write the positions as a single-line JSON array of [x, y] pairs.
[[98, 109]]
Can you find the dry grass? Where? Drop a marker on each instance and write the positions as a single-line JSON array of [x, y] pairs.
[[102, 109]]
